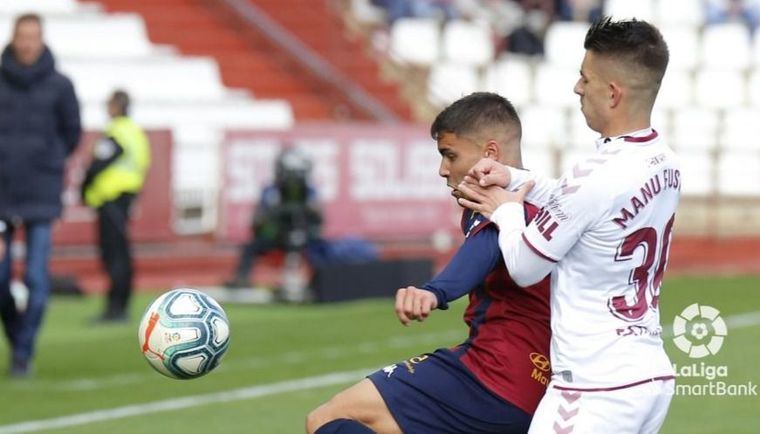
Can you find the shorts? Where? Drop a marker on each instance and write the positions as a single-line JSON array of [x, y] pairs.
[[636, 409], [436, 393]]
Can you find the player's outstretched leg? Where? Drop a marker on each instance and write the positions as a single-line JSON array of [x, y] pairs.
[[361, 403]]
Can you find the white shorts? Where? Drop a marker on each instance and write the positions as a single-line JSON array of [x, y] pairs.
[[638, 409]]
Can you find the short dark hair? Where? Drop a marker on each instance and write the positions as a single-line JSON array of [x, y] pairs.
[[122, 101], [633, 41], [469, 115], [27, 17]]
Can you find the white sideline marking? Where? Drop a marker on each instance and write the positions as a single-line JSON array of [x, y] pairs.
[[744, 320], [186, 402]]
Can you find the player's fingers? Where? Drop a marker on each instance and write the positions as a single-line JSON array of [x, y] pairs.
[[490, 179], [470, 192], [470, 204], [427, 306], [400, 297], [417, 309], [409, 304]]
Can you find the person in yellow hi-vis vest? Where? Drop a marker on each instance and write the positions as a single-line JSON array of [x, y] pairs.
[[120, 162]]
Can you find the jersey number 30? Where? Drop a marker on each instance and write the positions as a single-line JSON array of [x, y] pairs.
[[640, 276]]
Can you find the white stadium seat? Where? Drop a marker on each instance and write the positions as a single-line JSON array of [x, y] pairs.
[[415, 41], [168, 79], [553, 86], [467, 43], [14, 7], [93, 35], [563, 44], [739, 174], [448, 82], [626, 9], [694, 129], [753, 86], [720, 88], [686, 12], [741, 130], [726, 46], [511, 77], [683, 45], [696, 173], [543, 127], [676, 91]]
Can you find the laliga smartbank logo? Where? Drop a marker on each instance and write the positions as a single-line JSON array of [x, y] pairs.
[[699, 331]]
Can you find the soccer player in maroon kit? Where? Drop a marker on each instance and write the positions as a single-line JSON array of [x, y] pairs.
[[492, 382]]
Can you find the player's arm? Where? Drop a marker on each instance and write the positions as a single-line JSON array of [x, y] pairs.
[[469, 267], [487, 172], [532, 252]]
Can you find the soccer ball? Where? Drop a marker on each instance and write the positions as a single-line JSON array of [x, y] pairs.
[[184, 334]]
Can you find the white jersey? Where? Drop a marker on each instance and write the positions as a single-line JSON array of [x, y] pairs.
[[607, 224]]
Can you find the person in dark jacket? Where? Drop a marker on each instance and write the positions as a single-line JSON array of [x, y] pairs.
[[39, 129]]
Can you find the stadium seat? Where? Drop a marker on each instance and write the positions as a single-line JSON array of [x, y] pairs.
[[511, 77], [756, 50], [448, 82], [415, 41], [685, 12], [683, 45], [467, 43], [14, 7], [754, 88], [543, 127], [563, 44], [241, 113], [553, 86], [697, 176], [676, 91], [621, 9], [741, 130], [90, 36], [148, 79], [694, 129], [726, 46], [720, 88], [739, 174]]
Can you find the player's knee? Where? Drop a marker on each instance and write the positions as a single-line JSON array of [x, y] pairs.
[[318, 417]]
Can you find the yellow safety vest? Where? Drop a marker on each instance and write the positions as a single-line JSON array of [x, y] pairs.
[[127, 173]]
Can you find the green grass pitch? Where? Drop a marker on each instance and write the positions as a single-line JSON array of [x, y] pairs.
[[87, 372]]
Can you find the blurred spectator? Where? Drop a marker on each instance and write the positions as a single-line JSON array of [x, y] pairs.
[[395, 9], [725, 11], [287, 218], [502, 16], [578, 10], [3, 227], [115, 176], [39, 129]]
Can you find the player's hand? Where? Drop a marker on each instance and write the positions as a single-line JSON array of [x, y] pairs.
[[489, 172], [414, 304], [486, 200]]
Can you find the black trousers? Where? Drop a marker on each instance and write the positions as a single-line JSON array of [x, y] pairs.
[[115, 251]]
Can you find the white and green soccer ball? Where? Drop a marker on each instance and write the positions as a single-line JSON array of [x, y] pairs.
[[184, 334]]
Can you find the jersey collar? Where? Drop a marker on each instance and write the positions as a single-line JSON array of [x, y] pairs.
[[639, 137]]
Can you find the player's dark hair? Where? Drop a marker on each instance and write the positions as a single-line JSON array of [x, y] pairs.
[[477, 111], [28, 17], [633, 41], [121, 99]]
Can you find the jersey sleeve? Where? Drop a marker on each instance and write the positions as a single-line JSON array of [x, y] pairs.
[[540, 193], [469, 267], [572, 207]]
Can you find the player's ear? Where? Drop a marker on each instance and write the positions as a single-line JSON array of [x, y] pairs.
[[614, 93], [491, 150]]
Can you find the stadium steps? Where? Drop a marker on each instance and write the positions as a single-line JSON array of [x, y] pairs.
[[194, 29], [323, 30], [248, 61]]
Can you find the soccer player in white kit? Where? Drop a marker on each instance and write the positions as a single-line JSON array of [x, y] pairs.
[[603, 234]]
